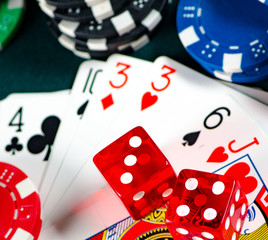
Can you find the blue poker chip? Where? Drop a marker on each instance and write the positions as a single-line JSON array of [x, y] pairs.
[[254, 75], [255, 72], [228, 36], [264, 2], [252, 68]]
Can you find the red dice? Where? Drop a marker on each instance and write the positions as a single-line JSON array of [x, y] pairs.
[[137, 171], [206, 206]]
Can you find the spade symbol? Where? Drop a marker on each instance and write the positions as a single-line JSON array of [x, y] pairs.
[[14, 146], [190, 138], [82, 109], [38, 143]]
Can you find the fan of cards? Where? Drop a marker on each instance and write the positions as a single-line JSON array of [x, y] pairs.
[[197, 122]]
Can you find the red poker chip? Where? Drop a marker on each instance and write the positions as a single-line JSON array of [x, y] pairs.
[[20, 208]]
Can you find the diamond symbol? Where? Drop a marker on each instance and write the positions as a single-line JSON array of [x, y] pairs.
[[107, 101]]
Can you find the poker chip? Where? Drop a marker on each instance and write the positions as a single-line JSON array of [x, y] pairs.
[[117, 25], [84, 13], [264, 1], [20, 205], [84, 52], [71, 45], [11, 14], [72, 3], [146, 28], [228, 40], [129, 29], [258, 74]]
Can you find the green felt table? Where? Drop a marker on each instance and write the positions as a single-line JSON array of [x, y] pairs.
[[36, 62]]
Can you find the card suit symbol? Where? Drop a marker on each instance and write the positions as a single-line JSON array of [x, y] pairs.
[[14, 146], [107, 101], [82, 109], [240, 171], [190, 138], [218, 155], [148, 100], [37, 143]]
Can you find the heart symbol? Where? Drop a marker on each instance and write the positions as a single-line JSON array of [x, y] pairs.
[[148, 100], [218, 155], [190, 138], [240, 172]]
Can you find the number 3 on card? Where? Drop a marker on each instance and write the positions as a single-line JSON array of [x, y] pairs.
[[123, 73], [166, 77]]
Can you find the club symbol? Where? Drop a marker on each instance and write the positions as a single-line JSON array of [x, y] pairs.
[[38, 143], [14, 146]]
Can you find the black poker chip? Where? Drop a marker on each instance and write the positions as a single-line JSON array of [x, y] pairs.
[[146, 28], [118, 25], [128, 29], [72, 3], [68, 43], [84, 52], [84, 13]]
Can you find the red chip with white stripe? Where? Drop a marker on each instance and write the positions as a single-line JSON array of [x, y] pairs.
[[20, 208]]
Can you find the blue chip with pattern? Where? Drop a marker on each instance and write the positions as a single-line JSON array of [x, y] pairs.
[[223, 35]]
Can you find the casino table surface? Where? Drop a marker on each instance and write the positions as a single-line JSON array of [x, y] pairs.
[[35, 61]]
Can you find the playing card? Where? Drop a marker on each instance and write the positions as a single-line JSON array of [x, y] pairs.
[[80, 97], [256, 221], [28, 125], [189, 95], [218, 125], [90, 216], [256, 93], [242, 157], [221, 120], [229, 143], [168, 121], [120, 78]]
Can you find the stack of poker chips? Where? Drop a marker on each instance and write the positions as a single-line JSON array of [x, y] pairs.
[[99, 28], [227, 38]]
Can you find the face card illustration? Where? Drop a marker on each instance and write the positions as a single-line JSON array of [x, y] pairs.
[[80, 98], [245, 171], [29, 125], [110, 93], [257, 218], [151, 227]]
